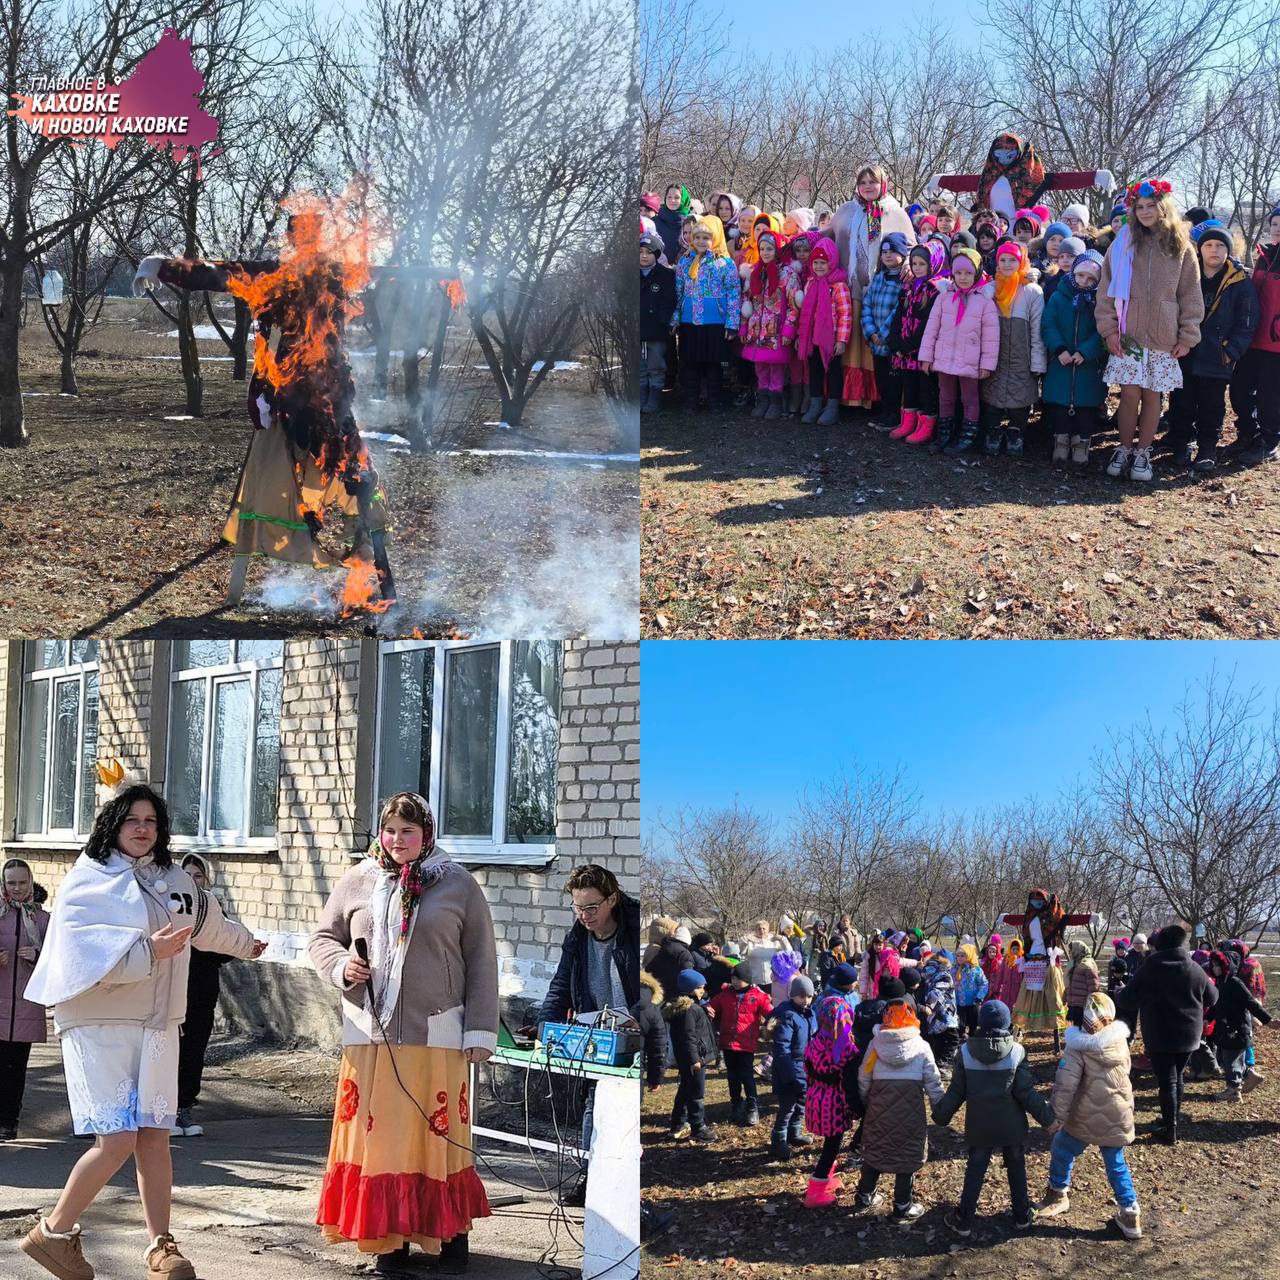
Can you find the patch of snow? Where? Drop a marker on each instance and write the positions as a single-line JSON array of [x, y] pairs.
[[559, 364], [205, 359], [545, 453], [37, 393], [399, 355], [180, 417], [200, 331]]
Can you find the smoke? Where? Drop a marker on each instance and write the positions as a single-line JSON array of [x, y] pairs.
[[298, 588]]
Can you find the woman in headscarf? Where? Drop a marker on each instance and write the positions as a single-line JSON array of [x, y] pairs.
[[114, 969], [670, 218], [415, 1015], [22, 929]]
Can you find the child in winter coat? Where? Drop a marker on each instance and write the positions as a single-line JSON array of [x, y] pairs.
[[693, 1045], [1255, 386], [1093, 1104], [1013, 386], [795, 279], [1197, 408], [823, 328], [739, 1011], [879, 306], [1073, 386], [987, 235], [1082, 982], [1008, 980], [1233, 1022], [791, 1025], [961, 345], [657, 302], [826, 1109], [1045, 259], [897, 1073], [993, 1082], [992, 959], [768, 325], [1149, 312], [23, 928], [707, 310], [1253, 977], [925, 264], [1118, 968], [971, 987], [938, 1014]]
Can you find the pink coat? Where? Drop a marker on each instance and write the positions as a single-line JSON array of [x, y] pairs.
[[20, 1020], [963, 349], [1005, 984]]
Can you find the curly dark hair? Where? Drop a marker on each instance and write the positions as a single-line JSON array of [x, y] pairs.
[[593, 876], [106, 826]]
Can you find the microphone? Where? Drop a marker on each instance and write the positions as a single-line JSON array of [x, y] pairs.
[[362, 950]]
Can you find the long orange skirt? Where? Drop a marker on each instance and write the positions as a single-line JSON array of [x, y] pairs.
[[394, 1177], [859, 386]]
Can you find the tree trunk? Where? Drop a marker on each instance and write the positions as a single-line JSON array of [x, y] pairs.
[[190, 357], [409, 361], [69, 350], [239, 342], [427, 424], [13, 434], [382, 309]]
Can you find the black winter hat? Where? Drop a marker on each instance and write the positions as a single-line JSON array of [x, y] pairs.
[[911, 978], [1197, 215], [966, 238], [1217, 233], [891, 989], [701, 939], [1172, 935]]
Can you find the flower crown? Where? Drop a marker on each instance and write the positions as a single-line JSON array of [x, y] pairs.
[[1147, 187]]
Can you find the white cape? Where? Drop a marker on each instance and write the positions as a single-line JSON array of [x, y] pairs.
[[98, 915]]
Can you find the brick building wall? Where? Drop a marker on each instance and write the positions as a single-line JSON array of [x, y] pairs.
[[327, 742]]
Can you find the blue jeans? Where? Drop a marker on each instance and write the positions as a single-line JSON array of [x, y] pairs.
[[790, 1113], [1062, 1157]]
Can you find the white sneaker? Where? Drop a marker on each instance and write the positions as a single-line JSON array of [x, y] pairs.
[[1119, 461], [1141, 468]]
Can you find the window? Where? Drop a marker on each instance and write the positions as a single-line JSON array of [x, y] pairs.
[[475, 728], [57, 738], [224, 740]]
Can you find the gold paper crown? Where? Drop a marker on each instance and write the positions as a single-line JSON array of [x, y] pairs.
[[110, 772]]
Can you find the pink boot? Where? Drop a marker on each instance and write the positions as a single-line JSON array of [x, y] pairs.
[[821, 1192], [906, 426], [924, 429]]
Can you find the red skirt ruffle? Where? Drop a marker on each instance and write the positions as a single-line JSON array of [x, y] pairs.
[[411, 1205]]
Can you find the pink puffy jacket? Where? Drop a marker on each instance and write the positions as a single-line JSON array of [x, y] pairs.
[[963, 349]]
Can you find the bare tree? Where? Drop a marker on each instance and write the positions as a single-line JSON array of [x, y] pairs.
[[1197, 808]]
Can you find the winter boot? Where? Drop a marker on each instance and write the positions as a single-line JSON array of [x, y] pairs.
[[1013, 442], [1061, 448], [165, 1261], [796, 1136], [778, 1148], [704, 1133], [395, 1263], [59, 1254], [821, 1192], [737, 1108], [795, 396], [963, 440], [1128, 1221], [1053, 1202], [813, 412], [942, 433], [993, 440], [454, 1255], [1252, 1079], [652, 401], [904, 428], [761, 405], [1080, 451], [1230, 1094], [924, 429], [830, 413], [1181, 453], [774, 410], [750, 1114]]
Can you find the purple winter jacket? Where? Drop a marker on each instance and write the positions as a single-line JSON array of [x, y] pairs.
[[20, 1020]]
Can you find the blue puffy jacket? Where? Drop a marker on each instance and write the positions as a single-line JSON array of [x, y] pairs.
[[971, 985], [792, 1031]]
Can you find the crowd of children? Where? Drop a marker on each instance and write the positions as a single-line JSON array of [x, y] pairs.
[[897, 1024], [962, 332]]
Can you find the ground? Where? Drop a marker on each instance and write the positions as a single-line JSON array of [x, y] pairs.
[[113, 514], [245, 1193], [753, 529], [1207, 1205]]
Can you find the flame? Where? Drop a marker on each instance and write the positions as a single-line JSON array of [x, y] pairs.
[[457, 294], [361, 591]]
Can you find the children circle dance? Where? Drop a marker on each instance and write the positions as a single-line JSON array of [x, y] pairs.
[[999, 328], [865, 1042]]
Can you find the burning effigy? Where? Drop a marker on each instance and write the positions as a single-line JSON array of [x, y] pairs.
[[307, 466]]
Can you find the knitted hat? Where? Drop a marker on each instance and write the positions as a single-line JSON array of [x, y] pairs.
[[1139, 939], [1090, 256], [1099, 1011], [742, 973], [896, 241], [800, 986], [1207, 233], [732, 950], [994, 1016], [1118, 211], [1057, 229], [917, 934], [689, 981], [651, 200], [653, 243], [844, 976], [913, 209], [1120, 944], [969, 255], [701, 939], [682, 934], [965, 238], [911, 978], [997, 939], [1075, 211], [891, 988], [1072, 245]]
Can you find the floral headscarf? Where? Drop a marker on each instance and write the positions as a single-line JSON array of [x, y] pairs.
[[26, 908], [708, 222], [413, 876], [764, 275], [835, 1023]]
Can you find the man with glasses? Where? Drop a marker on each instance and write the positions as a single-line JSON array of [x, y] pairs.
[[599, 965]]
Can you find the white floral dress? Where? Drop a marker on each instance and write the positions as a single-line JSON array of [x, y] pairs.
[[121, 1077], [1150, 370]]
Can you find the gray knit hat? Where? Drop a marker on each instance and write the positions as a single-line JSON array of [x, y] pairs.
[[801, 986]]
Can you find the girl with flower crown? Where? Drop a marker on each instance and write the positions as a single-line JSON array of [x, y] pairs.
[[415, 1015], [1148, 313]]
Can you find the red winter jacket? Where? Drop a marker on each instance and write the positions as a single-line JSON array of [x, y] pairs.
[[739, 1016]]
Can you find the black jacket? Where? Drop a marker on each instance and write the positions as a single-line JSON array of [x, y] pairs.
[[671, 956], [658, 303], [714, 969], [1170, 994], [647, 1011], [669, 224], [1235, 1005], [569, 991], [1230, 318], [693, 1039]]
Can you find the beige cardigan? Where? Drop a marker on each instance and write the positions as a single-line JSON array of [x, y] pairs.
[[449, 987], [1165, 301]]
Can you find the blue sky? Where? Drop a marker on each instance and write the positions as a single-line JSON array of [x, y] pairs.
[[976, 723], [761, 27]]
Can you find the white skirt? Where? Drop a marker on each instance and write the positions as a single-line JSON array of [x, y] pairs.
[[1150, 370], [121, 1078]]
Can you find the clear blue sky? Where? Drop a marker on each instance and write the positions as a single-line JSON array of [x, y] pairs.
[[760, 27], [976, 723]]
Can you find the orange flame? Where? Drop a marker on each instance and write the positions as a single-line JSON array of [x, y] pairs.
[[457, 294], [360, 592]]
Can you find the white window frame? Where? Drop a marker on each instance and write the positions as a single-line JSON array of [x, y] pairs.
[[225, 673], [495, 848], [56, 837]]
